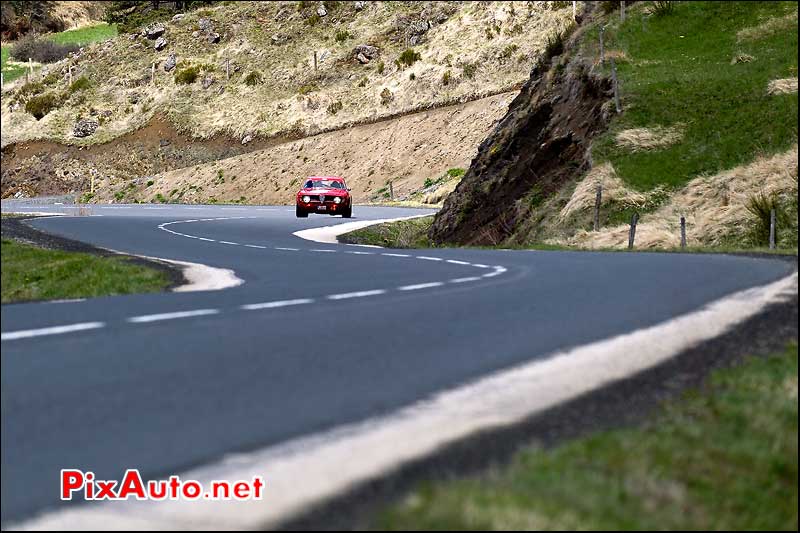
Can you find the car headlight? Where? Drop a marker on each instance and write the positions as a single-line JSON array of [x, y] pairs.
[[306, 199], [337, 200]]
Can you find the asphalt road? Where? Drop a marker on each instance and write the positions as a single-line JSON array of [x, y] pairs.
[[354, 333]]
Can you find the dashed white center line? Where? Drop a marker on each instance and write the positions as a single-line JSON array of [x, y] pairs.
[[280, 303], [387, 254], [256, 246], [288, 249], [359, 294], [478, 265], [170, 316], [229, 242], [455, 262], [465, 280], [56, 330], [426, 258], [323, 251], [361, 253], [420, 286]]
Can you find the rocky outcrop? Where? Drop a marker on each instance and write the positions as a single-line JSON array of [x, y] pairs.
[[171, 61], [161, 43], [154, 31], [84, 127], [541, 143], [365, 53]]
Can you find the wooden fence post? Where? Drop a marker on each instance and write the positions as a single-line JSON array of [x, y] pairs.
[[227, 68], [391, 191], [153, 74], [772, 229], [632, 232], [574, 10], [602, 50], [315, 60], [622, 10], [614, 79], [683, 232], [597, 201]]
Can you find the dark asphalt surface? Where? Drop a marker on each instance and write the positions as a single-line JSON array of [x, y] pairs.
[[168, 395]]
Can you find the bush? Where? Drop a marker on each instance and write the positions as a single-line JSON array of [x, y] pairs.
[[508, 51], [254, 78], [662, 8], [363, 82], [447, 77], [80, 84], [408, 58], [469, 70], [305, 89], [455, 172], [41, 50], [31, 88], [412, 76], [760, 207], [381, 67], [42, 104], [342, 36], [187, 75], [335, 108]]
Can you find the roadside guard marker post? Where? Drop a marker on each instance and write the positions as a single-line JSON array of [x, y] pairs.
[[683, 232], [391, 191], [622, 10], [153, 73], [632, 232], [772, 229], [602, 50]]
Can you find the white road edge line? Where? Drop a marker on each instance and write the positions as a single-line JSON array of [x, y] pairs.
[[56, 330], [332, 461], [171, 316]]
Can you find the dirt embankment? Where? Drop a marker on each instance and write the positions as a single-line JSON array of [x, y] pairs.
[[38, 168], [541, 143]]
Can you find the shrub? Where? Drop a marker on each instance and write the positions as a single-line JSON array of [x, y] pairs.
[[305, 89], [508, 51], [412, 76], [408, 57], [313, 20], [363, 82], [80, 84], [381, 67], [455, 172], [42, 104], [662, 8], [469, 70], [760, 207], [41, 50], [446, 77], [554, 46], [187, 75], [31, 88], [342, 36], [335, 107], [150, 183], [253, 78]]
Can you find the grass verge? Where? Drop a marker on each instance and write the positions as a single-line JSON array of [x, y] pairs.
[[721, 458], [411, 233], [32, 273]]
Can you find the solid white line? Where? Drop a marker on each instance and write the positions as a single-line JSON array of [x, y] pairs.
[[56, 330], [465, 280], [426, 258], [273, 305], [358, 294], [395, 255], [170, 316], [455, 262], [420, 286]]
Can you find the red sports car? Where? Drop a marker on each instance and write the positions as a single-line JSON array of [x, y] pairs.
[[327, 195]]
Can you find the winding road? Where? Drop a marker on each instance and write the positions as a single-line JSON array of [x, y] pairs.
[[317, 337]]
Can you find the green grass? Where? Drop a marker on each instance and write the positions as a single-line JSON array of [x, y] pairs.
[[721, 458], [31, 273], [86, 35], [81, 37], [411, 233], [678, 71]]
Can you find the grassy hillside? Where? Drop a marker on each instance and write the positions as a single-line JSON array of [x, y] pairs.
[[708, 130], [428, 54]]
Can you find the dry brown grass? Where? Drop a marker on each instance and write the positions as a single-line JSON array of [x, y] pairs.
[[614, 190], [640, 139], [768, 27], [714, 207], [782, 86]]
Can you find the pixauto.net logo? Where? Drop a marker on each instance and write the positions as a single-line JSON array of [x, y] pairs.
[[84, 485]]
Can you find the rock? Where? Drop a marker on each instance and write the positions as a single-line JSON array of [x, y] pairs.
[[213, 38], [416, 30], [161, 43], [163, 143], [279, 39], [247, 138], [154, 31], [359, 6], [205, 25], [171, 61], [179, 17], [364, 53], [321, 11], [84, 127], [195, 34], [207, 82]]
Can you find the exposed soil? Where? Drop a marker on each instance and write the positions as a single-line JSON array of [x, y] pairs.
[[541, 143]]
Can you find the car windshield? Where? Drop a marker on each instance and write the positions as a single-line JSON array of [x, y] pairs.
[[323, 184]]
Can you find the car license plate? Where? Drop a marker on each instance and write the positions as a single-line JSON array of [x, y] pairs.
[[321, 208]]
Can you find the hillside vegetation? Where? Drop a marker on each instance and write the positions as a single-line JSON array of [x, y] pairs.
[[246, 69], [708, 130]]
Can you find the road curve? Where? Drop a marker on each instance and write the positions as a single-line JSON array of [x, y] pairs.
[[317, 336]]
